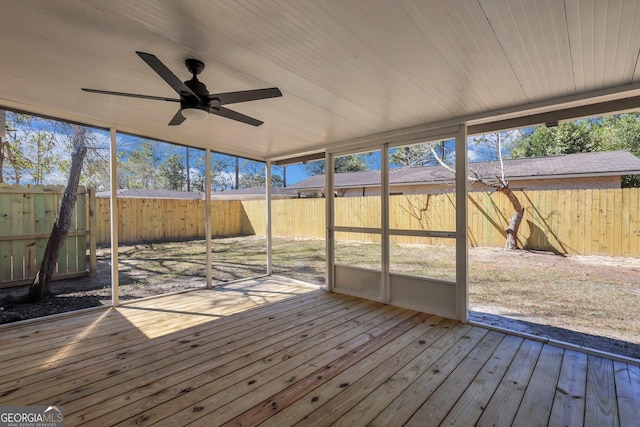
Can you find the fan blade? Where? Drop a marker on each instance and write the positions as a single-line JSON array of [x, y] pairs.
[[132, 95], [166, 74], [234, 115], [244, 96], [177, 119]]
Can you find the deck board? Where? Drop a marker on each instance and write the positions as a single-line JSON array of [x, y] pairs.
[[474, 399], [437, 406], [241, 366], [568, 403], [347, 390], [274, 353], [628, 393], [601, 406], [414, 396]]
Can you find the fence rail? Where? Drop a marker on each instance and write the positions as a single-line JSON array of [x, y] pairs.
[[587, 222], [578, 222], [27, 214], [152, 220]]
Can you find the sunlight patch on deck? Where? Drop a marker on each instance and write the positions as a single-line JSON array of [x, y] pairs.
[[159, 317], [77, 340]]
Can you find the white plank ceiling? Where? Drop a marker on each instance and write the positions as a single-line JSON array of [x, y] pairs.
[[347, 68]]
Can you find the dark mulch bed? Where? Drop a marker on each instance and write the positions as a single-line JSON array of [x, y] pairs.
[[68, 298], [609, 345], [149, 269]]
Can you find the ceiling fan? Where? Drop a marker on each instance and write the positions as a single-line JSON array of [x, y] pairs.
[[196, 103]]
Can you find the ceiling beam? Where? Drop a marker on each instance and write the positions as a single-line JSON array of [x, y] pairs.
[[574, 113], [300, 159], [600, 102]]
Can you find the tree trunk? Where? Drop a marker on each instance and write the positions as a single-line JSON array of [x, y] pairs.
[[2, 144], [516, 218], [2, 147], [40, 285]]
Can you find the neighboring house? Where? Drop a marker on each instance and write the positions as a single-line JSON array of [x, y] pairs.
[[138, 193], [254, 193], [568, 171]]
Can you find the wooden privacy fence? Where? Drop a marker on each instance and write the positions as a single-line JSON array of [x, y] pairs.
[[154, 220], [27, 214], [579, 222], [587, 222]]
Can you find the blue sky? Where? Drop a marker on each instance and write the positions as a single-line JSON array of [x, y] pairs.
[[475, 153], [295, 173]]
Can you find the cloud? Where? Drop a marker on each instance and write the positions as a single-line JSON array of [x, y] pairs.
[[475, 154]]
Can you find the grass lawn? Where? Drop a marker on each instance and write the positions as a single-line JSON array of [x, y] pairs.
[[592, 295], [595, 295]]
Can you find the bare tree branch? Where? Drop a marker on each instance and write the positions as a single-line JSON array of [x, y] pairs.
[[501, 185]]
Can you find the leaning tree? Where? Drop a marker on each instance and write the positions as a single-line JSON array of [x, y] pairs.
[[40, 285], [494, 145]]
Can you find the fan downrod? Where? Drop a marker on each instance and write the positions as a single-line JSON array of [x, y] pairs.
[[194, 94], [194, 66]]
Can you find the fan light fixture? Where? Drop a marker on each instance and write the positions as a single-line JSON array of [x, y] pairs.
[[196, 103], [195, 114]]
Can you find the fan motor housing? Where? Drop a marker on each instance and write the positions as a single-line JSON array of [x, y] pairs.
[[197, 87], [194, 96], [194, 66]]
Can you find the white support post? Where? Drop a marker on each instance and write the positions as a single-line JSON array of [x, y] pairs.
[[115, 289], [207, 217], [462, 249], [384, 244], [329, 212], [268, 213]]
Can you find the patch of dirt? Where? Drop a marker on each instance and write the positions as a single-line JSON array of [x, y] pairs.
[[138, 278], [585, 300], [491, 316]]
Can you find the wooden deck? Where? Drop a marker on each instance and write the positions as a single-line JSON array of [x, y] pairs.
[[273, 352]]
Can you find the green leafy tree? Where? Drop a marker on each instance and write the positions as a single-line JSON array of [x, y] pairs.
[[222, 176], [566, 138], [43, 158], [249, 180], [5, 147], [137, 169], [32, 149], [95, 167], [253, 174], [223, 172], [419, 154], [316, 167], [614, 132], [350, 163], [172, 173], [621, 132], [35, 150]]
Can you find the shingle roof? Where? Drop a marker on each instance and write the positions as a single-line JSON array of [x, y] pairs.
[[566, 165], [260, 190], [254, 193]]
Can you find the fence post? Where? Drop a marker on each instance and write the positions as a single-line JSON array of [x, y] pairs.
[[92, 232]]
